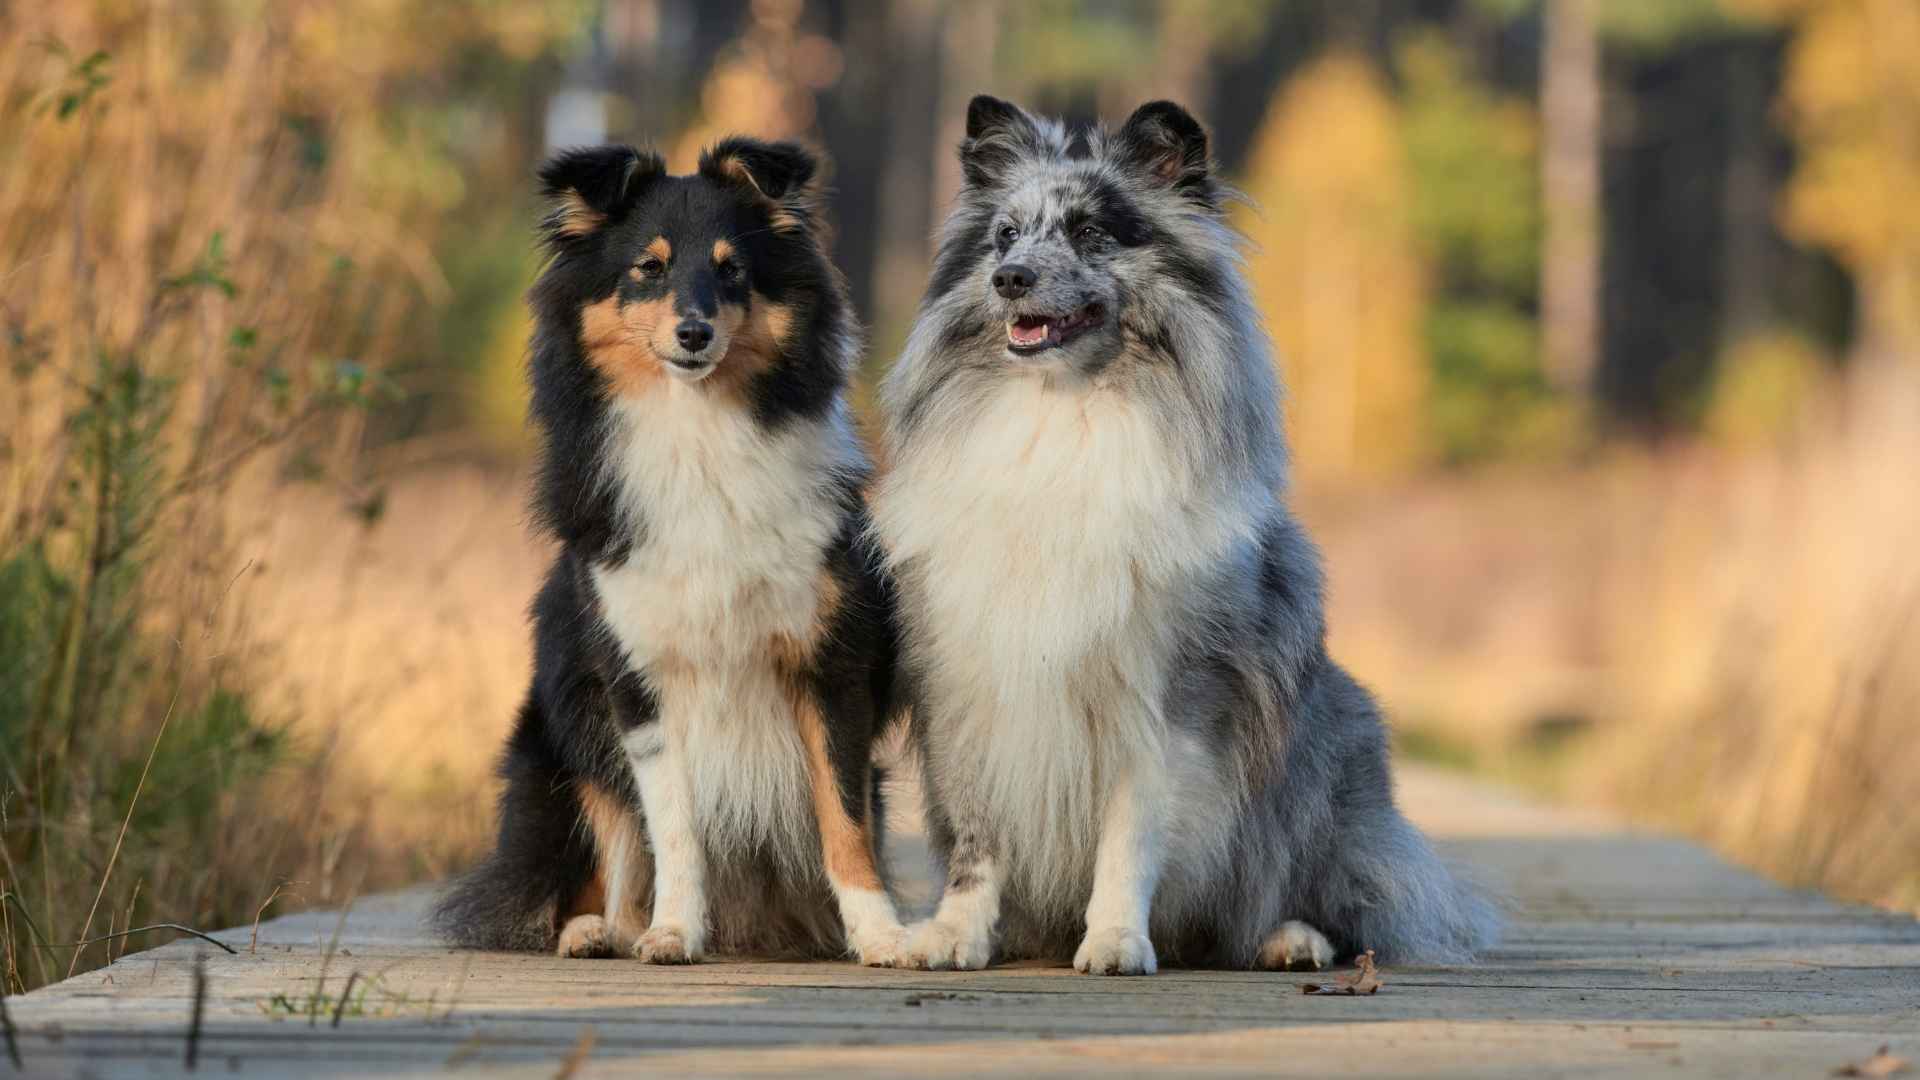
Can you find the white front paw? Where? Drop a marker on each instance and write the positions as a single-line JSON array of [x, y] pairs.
[[585, 936], [1115, 950], [883, 947], [938, 946], [669, 944]]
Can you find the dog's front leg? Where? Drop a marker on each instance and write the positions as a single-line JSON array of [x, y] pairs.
[[843, 809], [960, 934], [1126, 872], [678, 934]]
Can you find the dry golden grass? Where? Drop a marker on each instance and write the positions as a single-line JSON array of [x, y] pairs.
[[1727, 644], [402, 649], [217, 229]]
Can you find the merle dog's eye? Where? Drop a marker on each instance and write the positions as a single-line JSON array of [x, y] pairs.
[[728, 270], [652, 267], [1008, 234], [1089, 234]]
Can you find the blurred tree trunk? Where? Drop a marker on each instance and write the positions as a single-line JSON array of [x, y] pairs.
[[1747, 207], [906, 177], [1570, 102], [970, 34]]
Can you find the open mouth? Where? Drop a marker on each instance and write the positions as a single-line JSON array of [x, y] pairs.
[[1030, 334]]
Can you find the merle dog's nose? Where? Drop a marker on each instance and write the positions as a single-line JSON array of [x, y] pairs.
[[1013, 280], [694, 334]]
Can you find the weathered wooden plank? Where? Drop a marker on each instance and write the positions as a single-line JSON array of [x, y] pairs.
[[1629, 954]]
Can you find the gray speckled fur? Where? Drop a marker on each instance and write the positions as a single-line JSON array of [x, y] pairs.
[[1189, 657]]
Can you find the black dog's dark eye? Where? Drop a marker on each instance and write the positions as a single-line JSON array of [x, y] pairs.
[[1008, 234], [727, 271], [652, 267], [1089, 234]]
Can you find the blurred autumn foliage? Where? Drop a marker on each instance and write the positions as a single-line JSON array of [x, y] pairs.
[[219, 230], [1336, 270]]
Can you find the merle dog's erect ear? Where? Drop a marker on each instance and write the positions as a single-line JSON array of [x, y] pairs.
[[999, 133], [1166, 143], [590, 186], [785, 174]]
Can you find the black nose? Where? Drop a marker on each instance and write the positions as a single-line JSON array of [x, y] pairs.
[[693, 335], [1013, 280]]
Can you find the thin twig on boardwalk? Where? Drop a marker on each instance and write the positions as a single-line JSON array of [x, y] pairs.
[[577, 1056], [199, 1008], [202, 935], [346, 993], [6, 1028]]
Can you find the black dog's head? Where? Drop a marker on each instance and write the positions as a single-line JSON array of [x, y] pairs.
[[683, 277]]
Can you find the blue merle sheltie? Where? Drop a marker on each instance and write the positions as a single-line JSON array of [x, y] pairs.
[[692, 768], [1135, 746]]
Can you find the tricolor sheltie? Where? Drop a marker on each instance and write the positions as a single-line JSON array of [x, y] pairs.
[[1135, 746], [691, 770]]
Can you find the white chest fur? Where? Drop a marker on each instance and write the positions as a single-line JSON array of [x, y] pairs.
[[734, 524], [1049, 546]]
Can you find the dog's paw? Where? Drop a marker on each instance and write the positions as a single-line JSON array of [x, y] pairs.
[[1115, 950], [667, 945], [585, 937], [879, 948], [938, 946], [1296, 945]]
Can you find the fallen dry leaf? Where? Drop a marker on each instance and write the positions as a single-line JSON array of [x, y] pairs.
[[1881, 1063], [1366, 980]]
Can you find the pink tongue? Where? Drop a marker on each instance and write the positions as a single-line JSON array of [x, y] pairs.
[[1027, 331]]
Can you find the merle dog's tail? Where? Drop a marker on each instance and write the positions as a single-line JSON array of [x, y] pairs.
[[1383, 886], [514, 898], [1423, 909]]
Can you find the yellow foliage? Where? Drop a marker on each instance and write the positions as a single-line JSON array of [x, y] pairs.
[[1337, 272], [1767, 386], [1852, 102]]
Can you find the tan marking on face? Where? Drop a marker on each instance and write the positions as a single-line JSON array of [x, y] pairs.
[[755, 341], [576, 217], [616, 832], [615, 338], [661, 248], [722, 251]]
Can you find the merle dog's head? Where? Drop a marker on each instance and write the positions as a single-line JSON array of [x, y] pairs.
[[1063, 257], [683, 277]]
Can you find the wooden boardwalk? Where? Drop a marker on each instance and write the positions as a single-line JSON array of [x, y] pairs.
[[1628, 955]]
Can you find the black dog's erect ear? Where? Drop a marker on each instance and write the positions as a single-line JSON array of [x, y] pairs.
[[999, 133], [1164, 141], [590, 186], [777, 170], [785, 174]]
